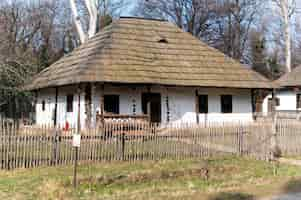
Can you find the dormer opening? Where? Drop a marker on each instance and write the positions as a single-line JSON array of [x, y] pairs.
[[163, 40]]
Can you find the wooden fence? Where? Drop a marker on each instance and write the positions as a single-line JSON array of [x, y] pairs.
[[28, 147]]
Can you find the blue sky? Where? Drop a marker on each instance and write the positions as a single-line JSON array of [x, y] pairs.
[[129, 7]]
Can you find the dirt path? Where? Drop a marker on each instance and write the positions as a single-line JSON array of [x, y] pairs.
[[292, 196], [289, 196]]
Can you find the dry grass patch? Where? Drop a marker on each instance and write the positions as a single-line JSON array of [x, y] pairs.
[[226, 177]]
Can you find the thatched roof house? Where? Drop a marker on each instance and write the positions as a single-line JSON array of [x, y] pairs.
[[147, 51], [288, 93], [150, 53], [292, 79]]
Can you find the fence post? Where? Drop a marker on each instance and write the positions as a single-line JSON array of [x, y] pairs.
[[274, 144], [56, 153], [241, 144], [10, 127], [123, 146]]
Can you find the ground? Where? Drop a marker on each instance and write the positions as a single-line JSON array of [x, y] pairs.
[[212, 179]]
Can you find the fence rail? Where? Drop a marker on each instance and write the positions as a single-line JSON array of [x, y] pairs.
[[27, 147]]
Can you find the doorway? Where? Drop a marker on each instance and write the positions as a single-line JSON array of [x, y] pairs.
[[154, 102]]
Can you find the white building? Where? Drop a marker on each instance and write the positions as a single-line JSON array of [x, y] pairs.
[[288, 96], [136, 67]]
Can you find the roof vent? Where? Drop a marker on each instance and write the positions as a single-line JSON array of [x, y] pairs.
[[163, 40]]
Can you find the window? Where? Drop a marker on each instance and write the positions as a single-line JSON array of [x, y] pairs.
[[298, 101], [70, 103], [203, 103], [43, 105], [111, 104], [226, 103]]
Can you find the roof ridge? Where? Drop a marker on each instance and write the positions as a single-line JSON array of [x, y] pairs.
[[143, 18]]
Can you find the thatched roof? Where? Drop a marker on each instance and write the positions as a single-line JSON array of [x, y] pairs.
[[291, 79], [142, 51]]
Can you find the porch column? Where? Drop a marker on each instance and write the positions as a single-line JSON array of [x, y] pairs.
[[273, 102], [78, 109], [167, 109], [167, 106], [88, 105], [102, 121], [134, 103], [36, 96], [93, 108], [197, 111], [55, 107]]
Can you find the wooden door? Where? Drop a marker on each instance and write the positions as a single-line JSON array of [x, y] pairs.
[[154, 99]]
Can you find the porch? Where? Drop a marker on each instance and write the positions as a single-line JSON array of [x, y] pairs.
[[91, 104]]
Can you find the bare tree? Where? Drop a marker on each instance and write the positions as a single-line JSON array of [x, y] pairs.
[[286, 10], [194, 16], [224, 24], [88, 13], [30, 40], [91, 6]]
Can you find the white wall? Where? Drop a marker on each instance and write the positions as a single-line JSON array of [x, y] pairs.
[[46, 117], [288, 101], [184, 107], [181, 103]]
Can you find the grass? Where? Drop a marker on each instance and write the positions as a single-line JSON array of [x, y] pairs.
[[229, 178]]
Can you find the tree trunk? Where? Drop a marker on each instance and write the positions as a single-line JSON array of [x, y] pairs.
[[78, 24]]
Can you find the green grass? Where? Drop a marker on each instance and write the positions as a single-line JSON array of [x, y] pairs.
[[229, 178]]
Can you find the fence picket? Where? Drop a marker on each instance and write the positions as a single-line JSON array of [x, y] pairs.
[[31, 147]]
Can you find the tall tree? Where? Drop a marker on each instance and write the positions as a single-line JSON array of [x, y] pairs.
[[194, 16], [87, 15], [286, 10], [32, 36], [224, 24]]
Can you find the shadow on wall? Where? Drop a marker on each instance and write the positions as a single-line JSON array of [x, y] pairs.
[[232, 196]]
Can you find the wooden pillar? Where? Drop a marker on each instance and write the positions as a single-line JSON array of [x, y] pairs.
[[197, 111], [93, 111], [78, 109], [149, 111], [88, 105], [134, 104], [35, 105], [167, 109], [148, 106], [273, 102], [102, 120], [55, 107]]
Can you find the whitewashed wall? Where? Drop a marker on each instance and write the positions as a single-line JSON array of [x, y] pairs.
[[288, 101], [183, 107], [48, 95], [181, 104]]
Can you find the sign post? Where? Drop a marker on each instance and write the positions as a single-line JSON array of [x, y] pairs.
[[76, 145]]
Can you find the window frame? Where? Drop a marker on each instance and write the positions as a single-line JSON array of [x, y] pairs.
[[224, 109]]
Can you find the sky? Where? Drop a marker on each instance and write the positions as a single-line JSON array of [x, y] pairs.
[[129, 7]]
